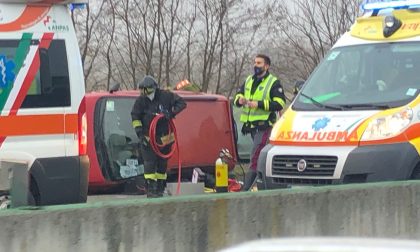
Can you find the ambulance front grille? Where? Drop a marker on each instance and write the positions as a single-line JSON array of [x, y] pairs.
[[298, 181], [315, 165]]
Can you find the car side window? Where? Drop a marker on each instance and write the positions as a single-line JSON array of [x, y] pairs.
[[51, 86]]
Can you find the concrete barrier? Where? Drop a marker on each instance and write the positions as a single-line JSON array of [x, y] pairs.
[[211, 222]]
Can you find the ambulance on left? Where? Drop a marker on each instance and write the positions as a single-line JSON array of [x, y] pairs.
[[42, 108]]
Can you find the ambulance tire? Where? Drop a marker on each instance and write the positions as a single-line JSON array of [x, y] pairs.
[[34, 197], [416, 173], [83, 197], [261, 185]]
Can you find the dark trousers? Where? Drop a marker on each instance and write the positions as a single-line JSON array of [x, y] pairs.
[[260, 139], [154, 166]]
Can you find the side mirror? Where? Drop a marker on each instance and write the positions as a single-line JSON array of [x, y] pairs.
[[298, 86], [114, 88]]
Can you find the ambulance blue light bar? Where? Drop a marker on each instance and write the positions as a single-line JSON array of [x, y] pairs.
[[375, 5]]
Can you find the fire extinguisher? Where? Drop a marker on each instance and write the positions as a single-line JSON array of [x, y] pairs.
[[221, 174]]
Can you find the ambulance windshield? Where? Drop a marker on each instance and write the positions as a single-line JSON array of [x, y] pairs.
[[363, 77]]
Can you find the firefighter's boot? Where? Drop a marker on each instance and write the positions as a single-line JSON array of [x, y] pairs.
[[151, 187], [249, 180], [161, 184]]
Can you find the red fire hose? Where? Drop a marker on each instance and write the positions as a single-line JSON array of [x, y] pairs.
[[157, 147]]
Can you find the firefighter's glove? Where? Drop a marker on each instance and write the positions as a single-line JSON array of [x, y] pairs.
[[168, 115], [139, 132], [144, 140]]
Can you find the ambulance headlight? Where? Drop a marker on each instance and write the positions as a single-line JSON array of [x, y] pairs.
[[388, 126]]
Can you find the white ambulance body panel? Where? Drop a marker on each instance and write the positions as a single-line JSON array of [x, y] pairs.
[[41, 97]]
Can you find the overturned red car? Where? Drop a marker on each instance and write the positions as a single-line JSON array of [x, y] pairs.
[[204, 128]]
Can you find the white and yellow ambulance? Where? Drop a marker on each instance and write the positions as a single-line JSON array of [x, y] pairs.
[[42, 112], [357, 117]]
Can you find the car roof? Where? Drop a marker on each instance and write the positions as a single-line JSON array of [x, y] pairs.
[[135, 93]]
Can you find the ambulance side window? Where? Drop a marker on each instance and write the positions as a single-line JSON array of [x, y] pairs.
[[51, 86]]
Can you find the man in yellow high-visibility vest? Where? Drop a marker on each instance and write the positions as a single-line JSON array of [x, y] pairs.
[[261, 97]]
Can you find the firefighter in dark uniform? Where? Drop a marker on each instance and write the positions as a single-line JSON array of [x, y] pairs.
[[152, 102], [260, 97]]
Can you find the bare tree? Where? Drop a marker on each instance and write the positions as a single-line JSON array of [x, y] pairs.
[[213, 12], [240, 56], [210, 42], [309, 29], [110, 40], [85, 22], [245, 34], [124, 15], [144, 31], [189, 26], [170, 30]]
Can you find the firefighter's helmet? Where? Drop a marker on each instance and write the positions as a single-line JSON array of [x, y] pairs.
[[148, 82]]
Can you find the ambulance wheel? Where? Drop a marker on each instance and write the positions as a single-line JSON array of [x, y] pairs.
[[416, 173], [261, 185], [34, 197]]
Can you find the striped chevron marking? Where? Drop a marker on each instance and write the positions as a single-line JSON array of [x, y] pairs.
[[23, 81]]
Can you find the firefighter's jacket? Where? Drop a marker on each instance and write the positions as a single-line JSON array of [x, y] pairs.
[[144, 110]]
